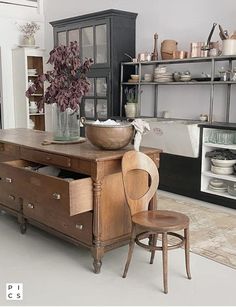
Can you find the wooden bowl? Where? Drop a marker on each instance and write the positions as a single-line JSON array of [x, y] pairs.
[[109, 137]]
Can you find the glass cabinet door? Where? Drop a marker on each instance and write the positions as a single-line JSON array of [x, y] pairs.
[[101, 46], [87, 47], [73, 35], [95, 103], [61, 38]]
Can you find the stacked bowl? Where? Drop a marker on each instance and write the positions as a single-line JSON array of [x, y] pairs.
[[217, 185], [222, 167], [162, 75]]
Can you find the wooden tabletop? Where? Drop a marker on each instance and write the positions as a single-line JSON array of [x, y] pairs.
[[34, 138]]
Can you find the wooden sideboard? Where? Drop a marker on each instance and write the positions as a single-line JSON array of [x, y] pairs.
[[90, 210]]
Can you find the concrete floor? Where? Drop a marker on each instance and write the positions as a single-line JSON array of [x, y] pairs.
[[54, 272]]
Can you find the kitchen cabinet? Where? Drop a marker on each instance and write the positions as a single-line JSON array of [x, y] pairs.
[[208, 145], [148, 66], [105, 37], [27, 65], [85, 206]]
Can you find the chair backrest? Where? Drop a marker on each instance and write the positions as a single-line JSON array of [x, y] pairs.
[[135, 160]]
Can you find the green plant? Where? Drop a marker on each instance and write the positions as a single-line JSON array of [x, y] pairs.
[[131, 95]]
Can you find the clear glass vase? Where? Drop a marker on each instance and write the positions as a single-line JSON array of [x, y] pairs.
[[66, 125]]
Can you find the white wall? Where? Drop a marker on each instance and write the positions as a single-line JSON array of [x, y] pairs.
[[183, 20], [10, 38]]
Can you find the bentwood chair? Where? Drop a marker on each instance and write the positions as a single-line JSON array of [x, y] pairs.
[[150, 223]]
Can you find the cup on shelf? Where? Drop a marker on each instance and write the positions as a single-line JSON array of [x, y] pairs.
[[148, 77], [225, 137]]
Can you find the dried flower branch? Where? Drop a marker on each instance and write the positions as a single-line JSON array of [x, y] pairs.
[[29, 29], [68, 81]]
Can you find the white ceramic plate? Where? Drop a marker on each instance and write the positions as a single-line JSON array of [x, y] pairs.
[[216, 183], [222, 170], [223, 163], [221, 190]]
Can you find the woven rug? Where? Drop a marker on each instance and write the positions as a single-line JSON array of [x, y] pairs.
[[212, 232]]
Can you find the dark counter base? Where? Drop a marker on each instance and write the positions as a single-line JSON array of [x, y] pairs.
[[182, 175]]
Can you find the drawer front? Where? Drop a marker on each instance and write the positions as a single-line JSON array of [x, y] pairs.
[[9, 152], [78, 226], [8, 199], [75, 196], [45, 158], [10, 180]]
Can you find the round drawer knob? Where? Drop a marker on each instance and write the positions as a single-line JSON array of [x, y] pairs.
[[30, 206], [56, 196], [79, 226], [11, 197], [8, 180]]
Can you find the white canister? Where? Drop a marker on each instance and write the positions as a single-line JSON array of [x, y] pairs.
[[229, 47]]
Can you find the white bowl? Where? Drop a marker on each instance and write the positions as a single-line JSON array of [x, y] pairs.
[[223, 163], [134, 77], [222, 170], [216, 183]]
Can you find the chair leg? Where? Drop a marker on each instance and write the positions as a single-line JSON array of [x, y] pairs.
[[165, 261], [154, 242], [186, 244], [131, 248]]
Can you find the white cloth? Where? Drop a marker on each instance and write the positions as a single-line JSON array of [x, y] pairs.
[[141, 127]]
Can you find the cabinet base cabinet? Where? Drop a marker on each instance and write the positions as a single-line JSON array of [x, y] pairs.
[[89, 210], [182, 175]]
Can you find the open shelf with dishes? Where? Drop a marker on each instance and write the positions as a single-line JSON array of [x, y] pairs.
[[151, 75], [218, 168], [27, 66]]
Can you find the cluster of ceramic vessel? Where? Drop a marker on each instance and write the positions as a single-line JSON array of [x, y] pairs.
[[221, 186]]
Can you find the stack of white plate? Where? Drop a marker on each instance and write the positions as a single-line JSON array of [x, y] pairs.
[[160, 76], [217, 185], [185, 78], [32, 71], [222, 170]]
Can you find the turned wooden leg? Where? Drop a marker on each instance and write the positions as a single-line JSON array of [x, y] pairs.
[[97, 253], [97, 250], [23, 223], [130, 253], [154, 243], [165, 261], [186, 245]]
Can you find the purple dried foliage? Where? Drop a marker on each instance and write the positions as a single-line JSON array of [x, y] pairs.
[[68, 81]]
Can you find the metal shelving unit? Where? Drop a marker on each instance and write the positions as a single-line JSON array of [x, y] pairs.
[[137, 68]]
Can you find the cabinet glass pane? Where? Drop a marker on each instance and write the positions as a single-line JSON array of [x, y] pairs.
[[87, 43], [91, 89], [61, 38], [89, 108], [101, 86], [101, 43], [102, 108], [73, 35]]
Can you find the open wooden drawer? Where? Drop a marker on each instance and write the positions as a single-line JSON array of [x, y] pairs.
[[78, 226], [75, 196]]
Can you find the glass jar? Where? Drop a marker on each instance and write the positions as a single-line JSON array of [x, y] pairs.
[[66, 125]]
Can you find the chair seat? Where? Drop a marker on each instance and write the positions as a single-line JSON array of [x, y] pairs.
[[161, 220]]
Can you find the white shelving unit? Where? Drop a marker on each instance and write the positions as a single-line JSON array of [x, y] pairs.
[[25, 58], [206, 174]]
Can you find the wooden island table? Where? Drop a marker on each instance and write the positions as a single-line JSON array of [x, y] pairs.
[[90, 210]]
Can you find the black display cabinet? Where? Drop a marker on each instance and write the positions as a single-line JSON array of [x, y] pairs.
[[104, 36]]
